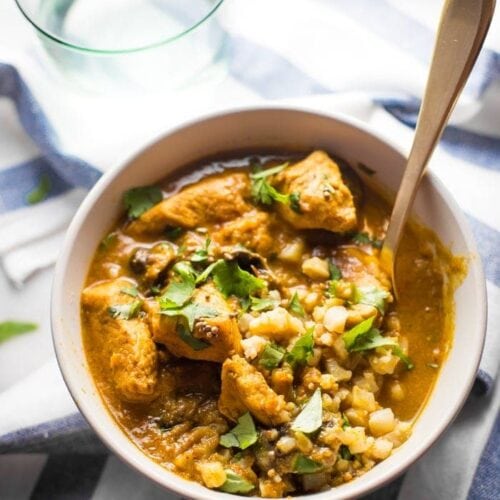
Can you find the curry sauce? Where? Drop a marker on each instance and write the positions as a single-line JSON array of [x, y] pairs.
[[242, 332]]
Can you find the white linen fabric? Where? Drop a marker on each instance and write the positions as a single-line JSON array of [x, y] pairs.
[[367, 58]]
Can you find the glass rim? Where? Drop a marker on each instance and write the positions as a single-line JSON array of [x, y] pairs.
[[92, 50]]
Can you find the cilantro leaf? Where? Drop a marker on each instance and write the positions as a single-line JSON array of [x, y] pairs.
[[10, 329], [201, 255], [41, 191], [265, 304], [365, 239], [271, 356], [305, 465], [243, 435], [302, 350], [310, 418], [178, 293], [370, 295], [187, 337], [345, 421], [295, 306], [364, 338], [351, 335], [295, 202], [335, 272], [235, 483], [190, 312], [345, 453], [108, 241], [230, 279], [265, 193], [208, 271], [140, 199], [125, 311], [131, 291]]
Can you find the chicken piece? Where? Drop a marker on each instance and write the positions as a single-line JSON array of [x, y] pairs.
[[244, 389], [253, 230], [152, 263], [126, 342], [219, 332], [218, 198], [325, 201]]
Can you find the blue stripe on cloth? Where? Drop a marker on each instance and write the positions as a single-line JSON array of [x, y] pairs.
[[406, 33], [73, 170], [70, 434], [486, 482], [488, 243], [478, 149], [18, 181], [69, 477], [268, 73]]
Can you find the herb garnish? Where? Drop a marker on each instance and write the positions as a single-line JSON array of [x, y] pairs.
[[365, 239], [265, 193], [305, 465], [125, 311], [335, 272], [172, 233], [235, 483], [107, 241], [262, 304], [302, 350], [179, 292], [271, 356], [230, 279], [242, 436], [10, 329], [201, 255], [41, 191], [364, 337], [370, 295], [345, 453], [295, 306], [130, 291], [187, 337], [190, 312], [140, 199], [311, 416]]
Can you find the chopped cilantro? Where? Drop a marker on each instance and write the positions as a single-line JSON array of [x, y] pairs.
[[131, 291], [190, 312], [179, 292], [311, 417], [370, 295], [187, 337], [265, 193], [295, 202], [365, 239], [265, 304], [363, 337], [10, 329], [41, 191], [242, 436], [305, 465], [230, 279], [201, 255], [271, 356], [345, 453], [302, 350], [125, 311], [208, 271], [140, 199], [295, 306], [235, 483], [345, 421], [335, 272], [108, 241]]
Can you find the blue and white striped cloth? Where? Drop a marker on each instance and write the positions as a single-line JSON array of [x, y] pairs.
[[367, 58]]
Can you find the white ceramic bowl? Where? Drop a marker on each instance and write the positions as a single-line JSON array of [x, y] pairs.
[[263, 128]]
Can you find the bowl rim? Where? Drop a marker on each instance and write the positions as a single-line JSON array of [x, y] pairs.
[[57, 302], [93, 50]]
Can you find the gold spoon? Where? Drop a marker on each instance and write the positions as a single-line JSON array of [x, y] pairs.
[[462, 30]]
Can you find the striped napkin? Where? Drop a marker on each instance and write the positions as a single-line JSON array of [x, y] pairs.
[[367, 58]]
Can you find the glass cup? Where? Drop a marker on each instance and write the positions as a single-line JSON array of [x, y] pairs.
[[110, 45]]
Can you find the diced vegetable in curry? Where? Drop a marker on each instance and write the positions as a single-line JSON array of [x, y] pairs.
[[242, 332]]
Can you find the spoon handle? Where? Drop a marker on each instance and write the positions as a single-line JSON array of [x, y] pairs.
[[462, 30]]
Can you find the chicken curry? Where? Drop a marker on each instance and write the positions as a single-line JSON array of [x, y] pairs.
[[241, 331]]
